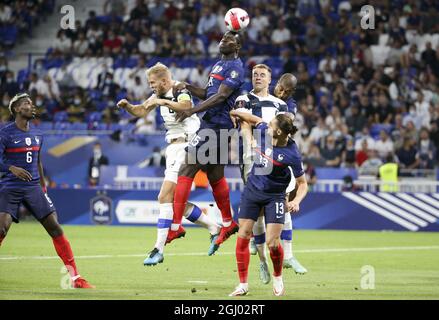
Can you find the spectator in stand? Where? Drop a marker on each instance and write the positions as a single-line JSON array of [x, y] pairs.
[[199, 76], [5, 14], [281, 35], [426, 150], [364, 135], [362, 154], [62, 44], [156, 11], [319, 131], [213, 49], [77, 107], [46, 87], [9, 85], [330, 152], [207, 22], [195, 47], [113, 42], [147, 45], [80, 46], [384, 146], [310, 172], [106, 85], [140, 11], [94, 165], [138, 91], [114, 7], [371, 166], [348, 156], [356, 121], [407, 155]]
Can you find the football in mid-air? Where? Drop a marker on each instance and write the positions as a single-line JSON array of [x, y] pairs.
[[236, 19]]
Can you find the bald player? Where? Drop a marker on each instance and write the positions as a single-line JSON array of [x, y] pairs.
[[284, 90]]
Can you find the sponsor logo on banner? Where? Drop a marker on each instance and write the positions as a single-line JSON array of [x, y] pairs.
[[147, 211], [101, 208]]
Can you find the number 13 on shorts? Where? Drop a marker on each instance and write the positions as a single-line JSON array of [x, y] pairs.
[[280, 207]]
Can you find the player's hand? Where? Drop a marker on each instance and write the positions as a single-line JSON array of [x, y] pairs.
[[21, 173], [122, 104], [178, 87], [183, 115], [151, 102], [293, 206]]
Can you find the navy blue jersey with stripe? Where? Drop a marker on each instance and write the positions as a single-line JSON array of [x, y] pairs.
[[21, 149], [231, 74], [292, 105], [278, 178]]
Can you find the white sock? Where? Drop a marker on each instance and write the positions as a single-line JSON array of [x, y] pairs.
[[259, 234], [165, 220], [195, 215], [286, 236]]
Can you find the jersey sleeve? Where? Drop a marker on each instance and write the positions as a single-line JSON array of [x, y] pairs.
[[283, 107], [234, 77], [292, 106], [3, 141], [292, 184], [262, 126], [297, 165], [183, 95], [242, 103]]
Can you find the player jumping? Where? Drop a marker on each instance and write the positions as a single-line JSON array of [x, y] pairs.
[[219, 96], [23, 182], [177, 136], [284, 89], [267, 192]]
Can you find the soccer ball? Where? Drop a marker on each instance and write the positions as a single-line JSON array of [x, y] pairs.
[[236, 19]]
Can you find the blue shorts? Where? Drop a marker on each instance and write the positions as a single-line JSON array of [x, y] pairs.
[[253, 201], [33, 198], [209, 146]]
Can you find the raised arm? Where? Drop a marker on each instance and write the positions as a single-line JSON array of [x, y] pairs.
[[198, 92]]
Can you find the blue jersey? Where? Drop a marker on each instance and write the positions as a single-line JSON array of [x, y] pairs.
[[231, 74], [21, 149], [277, 179], [292, 106]]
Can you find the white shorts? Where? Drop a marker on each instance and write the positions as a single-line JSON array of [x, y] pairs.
[[175, 155]]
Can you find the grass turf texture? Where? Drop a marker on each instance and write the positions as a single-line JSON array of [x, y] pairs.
[[112, 259]]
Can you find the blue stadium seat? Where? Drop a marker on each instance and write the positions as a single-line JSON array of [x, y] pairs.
[[61, 116]]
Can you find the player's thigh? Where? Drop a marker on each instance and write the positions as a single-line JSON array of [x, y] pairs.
[[10, 200], [175, 155], [214, 172], [273, 233], [38, 202], [250, 205], [166, 194]]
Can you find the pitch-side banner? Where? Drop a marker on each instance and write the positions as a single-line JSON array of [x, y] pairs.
[[339, 211]]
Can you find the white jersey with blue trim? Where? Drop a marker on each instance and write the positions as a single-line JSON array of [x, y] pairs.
[[176, 129], [263, 107]]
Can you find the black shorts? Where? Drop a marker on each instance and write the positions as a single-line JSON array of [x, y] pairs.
[[33, 198], [253, 200]]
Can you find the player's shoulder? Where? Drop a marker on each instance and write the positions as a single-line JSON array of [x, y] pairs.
[[275, 99], [7, 129]]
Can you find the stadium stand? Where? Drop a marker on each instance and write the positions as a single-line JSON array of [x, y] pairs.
[[353, 84]]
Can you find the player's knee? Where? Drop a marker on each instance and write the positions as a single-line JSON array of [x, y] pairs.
[[244, 233], [273, 243], [3, 231], [165, 198]]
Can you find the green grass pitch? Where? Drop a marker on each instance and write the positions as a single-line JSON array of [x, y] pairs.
[[405, 265]]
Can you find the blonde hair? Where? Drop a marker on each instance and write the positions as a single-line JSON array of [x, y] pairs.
[[160, 70], [262, 66]]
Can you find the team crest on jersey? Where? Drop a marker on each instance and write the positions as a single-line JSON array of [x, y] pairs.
[[217, 69], [28, 141], [268, 151], [37, 140], [234, 74], [280, 157]]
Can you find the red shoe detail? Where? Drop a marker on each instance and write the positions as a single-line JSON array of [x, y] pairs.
[[81, 283], [226, 232], [172, 235]]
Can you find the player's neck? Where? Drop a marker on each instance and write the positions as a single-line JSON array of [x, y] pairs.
[[230, 56], [22, 124], [261, 93], [280, 142]]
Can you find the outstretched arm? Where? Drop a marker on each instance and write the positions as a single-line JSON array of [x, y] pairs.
[[251, 119], [137, 110], [176, 106], [223, 93]]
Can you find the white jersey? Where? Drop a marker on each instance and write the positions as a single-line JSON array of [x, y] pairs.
[[174, 128], [263, 107]]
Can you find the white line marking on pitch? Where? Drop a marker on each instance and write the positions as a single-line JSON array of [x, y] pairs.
[[197, 281], [323, 250]]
